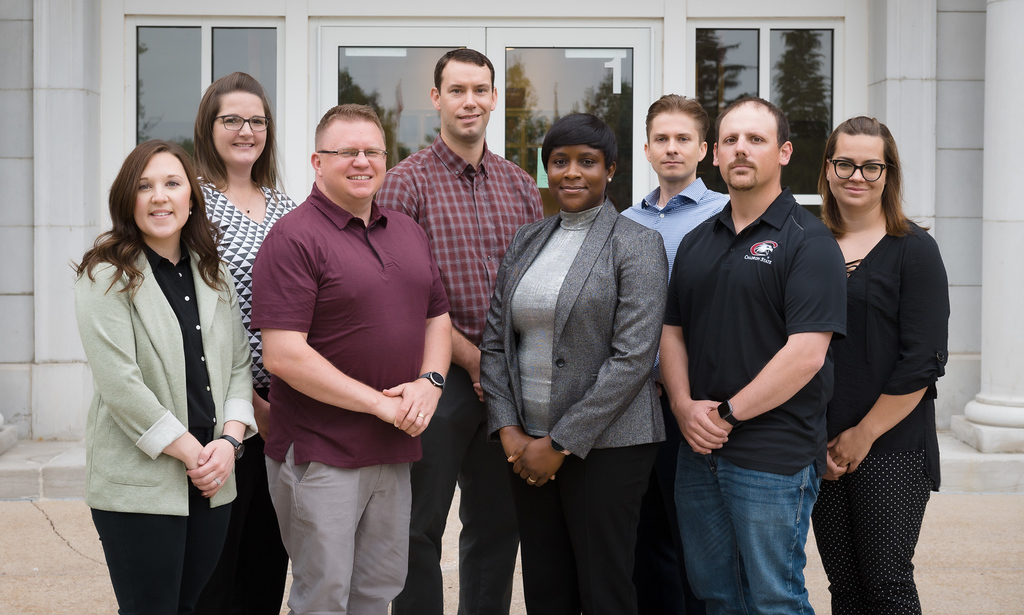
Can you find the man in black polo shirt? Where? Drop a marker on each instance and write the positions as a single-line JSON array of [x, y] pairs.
[[756, 294]]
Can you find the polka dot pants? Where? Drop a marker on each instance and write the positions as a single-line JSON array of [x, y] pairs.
[[866, 525]]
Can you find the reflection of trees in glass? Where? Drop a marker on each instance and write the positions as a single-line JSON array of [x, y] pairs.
[[525, 125], [142, 125], [718, 85], [616, 110], [802, 88], [350, 92], [716, 78]]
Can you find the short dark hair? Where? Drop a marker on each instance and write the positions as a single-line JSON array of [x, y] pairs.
[[468, 56], [580, 129], [350, 112], [674, 103], [208, 163], [781, 123]]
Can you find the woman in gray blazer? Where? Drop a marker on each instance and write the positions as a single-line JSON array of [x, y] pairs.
[[571, 336], [172, 388]]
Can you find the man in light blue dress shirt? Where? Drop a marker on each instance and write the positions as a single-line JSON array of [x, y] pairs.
[[676, 131]]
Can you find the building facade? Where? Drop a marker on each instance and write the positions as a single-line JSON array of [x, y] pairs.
[[82, 81]]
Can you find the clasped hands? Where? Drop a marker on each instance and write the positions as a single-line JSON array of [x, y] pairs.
[[410, 406], [846, 451], [700, 424], [532, 459], [212, 467]]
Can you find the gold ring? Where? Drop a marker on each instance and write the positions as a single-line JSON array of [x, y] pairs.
[[423, 416], [531, 481]]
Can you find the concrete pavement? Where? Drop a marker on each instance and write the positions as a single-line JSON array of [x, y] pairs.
[[970, 559]]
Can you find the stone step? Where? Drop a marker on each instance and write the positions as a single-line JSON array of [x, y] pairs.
[[33, 470]]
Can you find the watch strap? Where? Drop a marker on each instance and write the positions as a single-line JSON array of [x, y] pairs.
[[435, 379], [725, 413], [239, 449]]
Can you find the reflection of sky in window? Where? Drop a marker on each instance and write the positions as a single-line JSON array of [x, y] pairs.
[[740, 50], [250, 50], [778, 47], [169, 82], [383, 73], [547, 69]]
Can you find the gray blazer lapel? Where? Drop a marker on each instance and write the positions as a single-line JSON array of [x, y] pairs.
[[532, 247], [589, 252]]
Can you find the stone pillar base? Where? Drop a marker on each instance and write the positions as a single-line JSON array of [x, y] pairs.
[[987, 438], [8, 436]]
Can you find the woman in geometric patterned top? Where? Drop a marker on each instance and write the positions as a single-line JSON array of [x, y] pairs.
[[883, 454], [236, 159]]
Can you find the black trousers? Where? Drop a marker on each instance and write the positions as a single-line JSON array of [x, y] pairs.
[[578, 532], [456, 449], [866, 525], [660, 571], [251, 574], [159, 563]]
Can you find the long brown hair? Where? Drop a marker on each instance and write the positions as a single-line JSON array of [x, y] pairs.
[[896, 222], [122, 245], [208, 162]]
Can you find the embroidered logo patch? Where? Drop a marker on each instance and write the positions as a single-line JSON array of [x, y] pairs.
[[762, 251]]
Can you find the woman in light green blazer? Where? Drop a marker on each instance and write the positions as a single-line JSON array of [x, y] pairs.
[[171, 371]]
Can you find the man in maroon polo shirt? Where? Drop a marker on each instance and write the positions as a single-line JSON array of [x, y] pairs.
[[357, 336], [470, 203]]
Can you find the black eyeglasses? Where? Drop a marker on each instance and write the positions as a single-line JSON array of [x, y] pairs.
[[870, 172], [257, 123], [371, 154]]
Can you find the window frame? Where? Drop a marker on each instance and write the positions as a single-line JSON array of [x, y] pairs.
[[840, 75], [206, 26]]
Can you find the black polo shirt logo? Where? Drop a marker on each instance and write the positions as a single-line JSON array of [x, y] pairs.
[[761, 251]]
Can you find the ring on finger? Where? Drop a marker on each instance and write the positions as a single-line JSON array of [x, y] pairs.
[[216, 480], [531, 481]]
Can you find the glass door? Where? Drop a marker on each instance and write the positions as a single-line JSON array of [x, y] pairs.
[[540, 74], [550, 72], [366, 66]]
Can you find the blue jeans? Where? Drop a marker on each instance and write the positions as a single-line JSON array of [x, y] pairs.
[[743, 534]]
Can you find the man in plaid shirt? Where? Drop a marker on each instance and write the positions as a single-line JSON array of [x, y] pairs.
[[470, 202]]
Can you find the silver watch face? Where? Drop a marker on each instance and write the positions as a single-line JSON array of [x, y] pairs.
[[435, 379]]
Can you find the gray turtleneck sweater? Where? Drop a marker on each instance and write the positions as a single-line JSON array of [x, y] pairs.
[[533, 315]]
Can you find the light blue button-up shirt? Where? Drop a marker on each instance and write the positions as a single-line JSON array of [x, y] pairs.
[[680, 215], [683, 212]]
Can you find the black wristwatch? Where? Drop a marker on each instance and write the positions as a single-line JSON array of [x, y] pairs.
[[725, 413], [435, 379], [239, 447]]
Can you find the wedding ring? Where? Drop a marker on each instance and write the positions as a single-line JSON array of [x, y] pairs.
[[423, 416], [216, 480], [531, 481]]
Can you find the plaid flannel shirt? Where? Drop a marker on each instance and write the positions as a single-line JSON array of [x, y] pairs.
[[469, 215]]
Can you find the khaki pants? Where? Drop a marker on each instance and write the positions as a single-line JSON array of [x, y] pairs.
[[346, 531]]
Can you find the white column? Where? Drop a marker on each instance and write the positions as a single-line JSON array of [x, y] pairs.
[[995, 419], [65, 135]]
